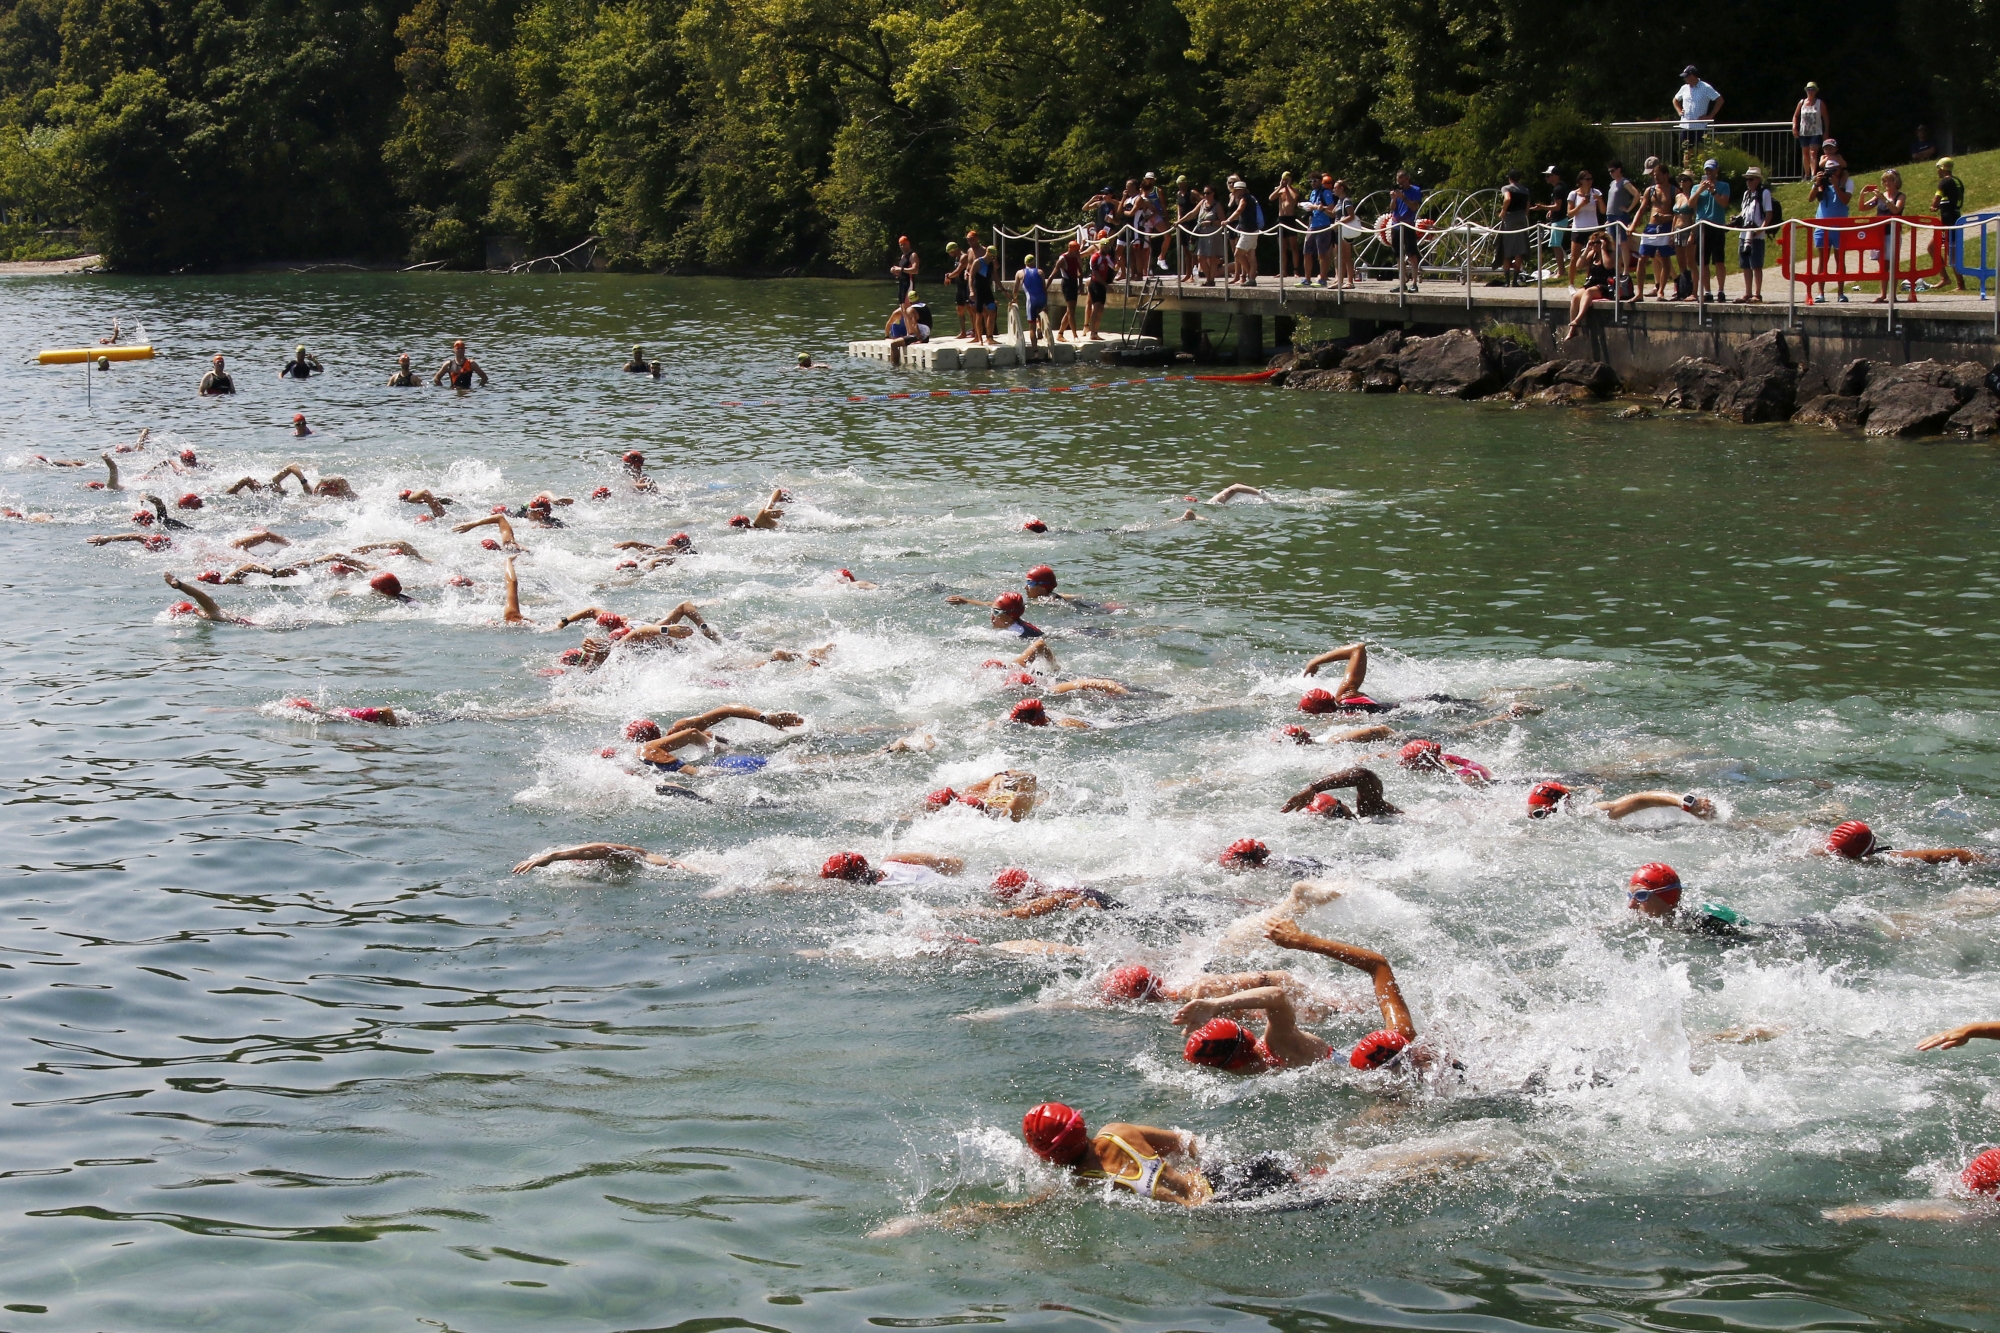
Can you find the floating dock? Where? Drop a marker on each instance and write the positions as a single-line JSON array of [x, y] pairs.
[[964, 354]]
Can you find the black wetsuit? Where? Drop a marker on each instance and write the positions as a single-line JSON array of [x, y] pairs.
[[217, 381], [303, 368]]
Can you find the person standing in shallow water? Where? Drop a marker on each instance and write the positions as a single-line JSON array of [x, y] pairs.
[[215, 383], [460, 368]]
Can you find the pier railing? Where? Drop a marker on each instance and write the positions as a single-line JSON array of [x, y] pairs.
[[1769, 143]]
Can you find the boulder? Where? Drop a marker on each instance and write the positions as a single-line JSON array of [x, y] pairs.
[[1322, 355], [1368, 354], [1962, 378], [1562, 394], [1535, 378], [1595, 376], [1695, 383], [1852, 379], [1979, 416], [1769, 396], [1765, 354], [1830, 409], [1636, 412], [1381, 379], [1325, 381], [1905, 408], [1455, 364]]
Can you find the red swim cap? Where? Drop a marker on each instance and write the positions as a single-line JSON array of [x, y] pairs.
[[852, 866], [1041, 576], [489, 543], [633, 458], [1030, 712], [627, 564], [1021, 678], [1419, 754], [643, 729], [1326, 803], [1318, 701], [940, 798], [1982, 1173], [740, 521], [680, 541], [157, 542], [539, 502], [341, 570], [1034, 525], [499, 509], [601, 493], [571, 656], [189, 501], [1134, 981], [1852, 840], [93, 485], [1298, 734], [1220, 1044], [1010, 601], [1054, 1132], [1011, 881], [1545, 798], [403, 494], [1377, 1049], [608, 752], [143, 517], [387, 584], [209, 576], [611, 620], [181, 609], [426, 518], [297, 417], [847, 574], [187, 457], [1245, 852], [367, 714]]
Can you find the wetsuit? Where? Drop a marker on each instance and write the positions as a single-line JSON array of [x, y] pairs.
[[982, 283], [461, 373], [1023, 629], [217, 382], [405, 379], [1037, 291], [301, 368]]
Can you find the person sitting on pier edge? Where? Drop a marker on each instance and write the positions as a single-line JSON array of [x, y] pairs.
[[902, 329]]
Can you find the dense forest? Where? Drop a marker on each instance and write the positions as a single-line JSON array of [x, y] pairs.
[[806, 134]]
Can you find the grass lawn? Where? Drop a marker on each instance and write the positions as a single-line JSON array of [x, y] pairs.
[[1979, 171]]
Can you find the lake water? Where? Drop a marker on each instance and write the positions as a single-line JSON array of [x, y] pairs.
[[287, 1047]]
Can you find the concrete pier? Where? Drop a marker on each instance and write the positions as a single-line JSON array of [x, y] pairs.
[[962, 354]]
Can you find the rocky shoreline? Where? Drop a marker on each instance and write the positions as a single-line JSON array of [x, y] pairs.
[[1766, 384]]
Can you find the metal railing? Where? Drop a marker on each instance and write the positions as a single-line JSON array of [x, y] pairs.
[[1770, 144]]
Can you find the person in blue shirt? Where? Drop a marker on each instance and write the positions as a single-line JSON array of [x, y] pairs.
[[1029, 282], [1403, 202], [1320, 207], [1711, 211]]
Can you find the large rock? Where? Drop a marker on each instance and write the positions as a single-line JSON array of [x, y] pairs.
[[1905, 408], [1369, 354], [1535, 378], [1842, 411], [1962, 378], [1514, 358], [1979, 416], [1695, 383], [1595, 376], [1767, 397], [1852, 380], [1381, 379], [1562, 394], [1455, 364], [1765, 354]]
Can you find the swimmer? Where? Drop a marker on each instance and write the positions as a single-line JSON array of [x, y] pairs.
[[342, 563], [261, 537], [1033, 713], [903, 868], [614, 852], [638, 365], [812, 657], [1221, 1043], [1368, 801], [499, 521], [1655, 891], [160, 507], [848, 580], [6, 512], [303, 366], [300, 429], [643, 632], [1011, 883], [1698, 806], [691, 730], [245, 570], [111, 482], [1980, 1179], [200, 604], [1231, 491], [430, 500], [768, 516], [806, 362], [1007, 610], [1012, 792], [56, 462], [388, 585], [331, 488], [114, 335], [216, 381], [635, 467], [511, 613], [1429, 756], [460, 368], [152, 541], [380, 717], [1855, 841], [404, 377], [399, 547]]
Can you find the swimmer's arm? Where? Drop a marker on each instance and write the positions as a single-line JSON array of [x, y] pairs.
[[1110, 687], [687, 611], [702, 721], [511, 613], [1166, 1142], [956, 600], [338, 557], [1938, 855], [246, 484], [1652, 800], [203, 602], [261, 537], [1902, 1210], [963, 1217], [1361, 735], [588, 613], [662, 750], [291, 470], [400, 546], [1039, 648], [117, 537], [1395, 1013], [596, 851], [1231, 491], [1952, 1038], [944, 865], [1042, 906]]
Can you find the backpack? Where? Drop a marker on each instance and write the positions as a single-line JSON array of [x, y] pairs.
[[1684, 284]]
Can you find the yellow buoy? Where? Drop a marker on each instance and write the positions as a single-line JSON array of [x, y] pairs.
[[69, 356]]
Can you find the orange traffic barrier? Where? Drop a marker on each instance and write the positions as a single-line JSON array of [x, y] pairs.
[[1841, 250]]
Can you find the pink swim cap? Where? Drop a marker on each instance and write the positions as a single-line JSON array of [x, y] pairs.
[[387, 584], [680, 541], [644, 729], [1318, 701], [1011, 881], [740, 521], [489, 543], [157, 542], [143, 517], [460, 581], [1297, 734], [633, 459], [1329, 805], [940, 798], [187, 457], [299, 703], [570, 656], [1852, 840], [601, 493], [1021, 678], [1982, 1173], [610, 620], [181, 609], [189, 501], [1055, 1133], [1134, 981], [367, 714], [1029, 712], [403, 494], [847, 574], [1377, 1049]]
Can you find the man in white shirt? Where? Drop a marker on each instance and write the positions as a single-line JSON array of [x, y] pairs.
[[1697, 104]]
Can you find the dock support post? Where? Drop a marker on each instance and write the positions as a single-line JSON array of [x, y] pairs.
[[1250, 340], [1285, 331], [1191, 332], [1154, 326]]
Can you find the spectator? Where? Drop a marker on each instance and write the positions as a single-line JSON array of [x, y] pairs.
[[904, 270], [1698, 104], [1656, 206], [1586, 216], [1130, 205], [1685, 245], [1321, 208], [1556, 214], [1595, 263], [1711, 212], [1923, 150], [1246, 216], [1758, 208], [959, 275], [1102, 271], [1209, 239], [1156, 222], [1404, 201], [1513, 229], [1886, 200], [1947, 202], [1285, 201], [1187, 201], [1346, 229], [1621, 200], [1831, 193], [1809, 125]]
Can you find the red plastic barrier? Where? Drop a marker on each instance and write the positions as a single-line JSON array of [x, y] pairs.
[[1855, 250]]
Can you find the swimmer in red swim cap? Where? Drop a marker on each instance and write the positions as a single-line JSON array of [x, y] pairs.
[[1244, 854], [902, 869], [388, 585], [1698, 806], [1368, 800], [1428, 755], [1131, 1157], [1545, 798], [204, 606], [1284, 1044], [1855, 841]]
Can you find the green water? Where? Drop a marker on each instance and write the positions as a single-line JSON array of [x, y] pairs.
[[289, 1047]]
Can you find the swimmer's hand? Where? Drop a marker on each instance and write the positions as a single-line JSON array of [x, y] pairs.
[[1953, 1038], [781, 721]]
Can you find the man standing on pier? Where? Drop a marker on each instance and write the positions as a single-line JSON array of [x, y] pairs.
[[1697, 104], [904, 270]]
